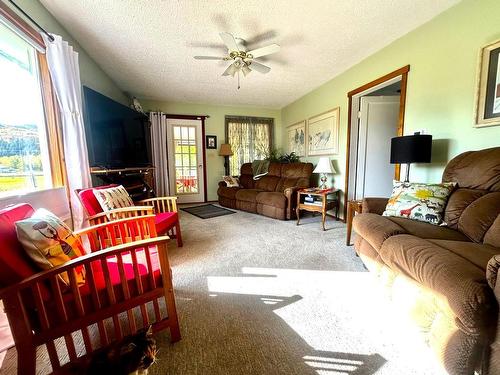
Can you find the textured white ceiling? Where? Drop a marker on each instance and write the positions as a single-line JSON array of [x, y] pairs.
[[147, 46]]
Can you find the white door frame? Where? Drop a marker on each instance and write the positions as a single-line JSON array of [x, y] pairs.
[[203, 177]]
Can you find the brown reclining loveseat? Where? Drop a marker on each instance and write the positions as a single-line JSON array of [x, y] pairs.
[[445, 277], [273, 195]]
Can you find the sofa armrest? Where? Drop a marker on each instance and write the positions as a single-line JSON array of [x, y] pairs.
[[492, 271], [374, 205]]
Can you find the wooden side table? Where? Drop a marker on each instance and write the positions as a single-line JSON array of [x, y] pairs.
[[326, 200], [353, 207]]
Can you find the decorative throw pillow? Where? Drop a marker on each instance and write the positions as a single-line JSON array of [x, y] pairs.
[[231, 181], [50, 242], [113, 197], [419, 201]]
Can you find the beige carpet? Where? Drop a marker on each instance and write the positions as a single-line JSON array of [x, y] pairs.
[[261, 296]]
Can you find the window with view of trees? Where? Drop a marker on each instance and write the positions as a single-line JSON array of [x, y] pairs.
[[24, 161], [250, 139]]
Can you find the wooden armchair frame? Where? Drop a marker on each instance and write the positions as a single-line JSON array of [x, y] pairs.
[[29, 303], [158, 205]]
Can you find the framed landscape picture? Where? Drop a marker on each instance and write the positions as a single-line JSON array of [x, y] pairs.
[[323, 133], [296, 135], [488, 95]]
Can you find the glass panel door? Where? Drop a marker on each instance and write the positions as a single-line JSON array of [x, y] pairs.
[[185, 160]]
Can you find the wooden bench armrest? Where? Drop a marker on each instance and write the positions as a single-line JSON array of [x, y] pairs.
[[162, 204]]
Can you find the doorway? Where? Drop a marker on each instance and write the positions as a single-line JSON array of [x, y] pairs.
[[376, 114], [186, 163]]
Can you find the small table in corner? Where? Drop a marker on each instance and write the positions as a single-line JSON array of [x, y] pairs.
[[317, 200]]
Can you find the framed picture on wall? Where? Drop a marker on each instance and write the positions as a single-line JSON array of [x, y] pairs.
[[211, 142], [296, 136], [323, 133], [488, 93]]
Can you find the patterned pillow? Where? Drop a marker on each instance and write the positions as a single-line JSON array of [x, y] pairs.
[[50, 242], [419, 201], [231, 181], [112, 198]]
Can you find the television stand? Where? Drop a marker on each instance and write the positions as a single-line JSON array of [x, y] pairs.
[[138, 182]]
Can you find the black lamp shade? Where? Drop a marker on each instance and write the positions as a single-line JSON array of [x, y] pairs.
[[411, 149]]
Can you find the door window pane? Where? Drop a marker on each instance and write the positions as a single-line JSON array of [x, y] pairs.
[[24, 160]]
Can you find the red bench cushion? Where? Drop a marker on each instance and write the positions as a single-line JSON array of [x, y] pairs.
[[15, 264], [89, 201], [165, 221]]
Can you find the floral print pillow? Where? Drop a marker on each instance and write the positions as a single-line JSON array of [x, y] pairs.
[[419, 201]]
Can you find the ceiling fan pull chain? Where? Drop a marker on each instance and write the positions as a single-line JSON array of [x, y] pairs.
[[238, 79]]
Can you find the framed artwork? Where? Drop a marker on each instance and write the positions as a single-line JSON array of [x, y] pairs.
[[488, 93], [296, 135], [211, 142], [323, 133]]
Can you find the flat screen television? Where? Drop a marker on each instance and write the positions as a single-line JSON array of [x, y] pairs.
[[117, 136]]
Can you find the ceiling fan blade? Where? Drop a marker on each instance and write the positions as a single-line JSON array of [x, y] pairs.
[[230, 71], [263, 51], [261, 68], [208, 58], [229, 41]]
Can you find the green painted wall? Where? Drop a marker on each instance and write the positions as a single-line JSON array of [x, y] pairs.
[[215, 125], [91, 74], [443, 58]]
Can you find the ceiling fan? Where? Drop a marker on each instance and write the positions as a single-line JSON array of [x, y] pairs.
[[241, 60]]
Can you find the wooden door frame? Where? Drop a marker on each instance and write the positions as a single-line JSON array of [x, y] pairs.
[[403, 72], [202, 118]]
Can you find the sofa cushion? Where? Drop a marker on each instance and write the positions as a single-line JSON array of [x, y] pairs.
[[475, 169], [419, 201], [425, 230], [476, 253], [15, 265], [272, 199], [492, 236], [247, 195], [297, 170], [462, 284], [458, 202], [228, 192], [267, 183], [479, 216], [375, 228]]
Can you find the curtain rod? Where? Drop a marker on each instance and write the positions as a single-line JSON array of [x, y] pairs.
[[51, 38]]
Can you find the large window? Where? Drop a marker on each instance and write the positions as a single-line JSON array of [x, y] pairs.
[[24, 160], [250, 139]]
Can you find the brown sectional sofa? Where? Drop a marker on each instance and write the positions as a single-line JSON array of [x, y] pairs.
[[273, 195], [454, 293]]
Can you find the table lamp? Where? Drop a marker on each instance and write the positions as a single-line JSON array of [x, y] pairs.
[[226, 151], [324, 167], [409, 149]]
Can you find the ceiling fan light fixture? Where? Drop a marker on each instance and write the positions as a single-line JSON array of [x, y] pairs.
[[246, 70]]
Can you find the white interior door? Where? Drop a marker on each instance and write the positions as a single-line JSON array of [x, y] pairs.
[[378, 123], [185, 160]]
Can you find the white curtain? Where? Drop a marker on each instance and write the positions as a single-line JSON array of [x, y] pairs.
[[160, 158], [65, 73]]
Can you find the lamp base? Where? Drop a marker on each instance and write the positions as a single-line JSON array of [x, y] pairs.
[[323, 180]]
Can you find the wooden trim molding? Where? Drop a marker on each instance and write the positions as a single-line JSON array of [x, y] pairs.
[[25, 30], [52, 121], [403, 72]]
